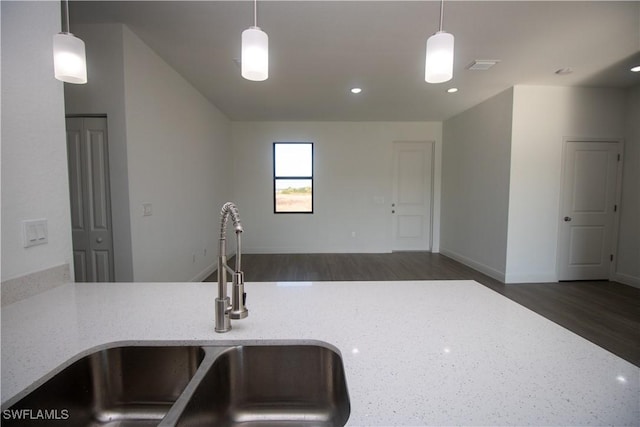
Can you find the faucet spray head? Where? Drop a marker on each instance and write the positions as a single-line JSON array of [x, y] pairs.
[[229, 209]]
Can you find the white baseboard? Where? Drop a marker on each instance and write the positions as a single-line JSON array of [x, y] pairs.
[[626, 279], [292, 250], [531, 278], [489, 271]]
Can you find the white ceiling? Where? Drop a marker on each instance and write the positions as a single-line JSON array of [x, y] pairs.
[[320, 49]]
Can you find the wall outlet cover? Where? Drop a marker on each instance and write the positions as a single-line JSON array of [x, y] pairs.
[[35, 232]]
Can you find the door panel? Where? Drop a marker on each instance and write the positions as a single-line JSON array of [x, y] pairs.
[[80, 265], [75, 179], [411, 171], [586, 246], [90, 198], [412, 195], [102, 265], [97, 178], [590, 181], [589, 191], [410, 226]]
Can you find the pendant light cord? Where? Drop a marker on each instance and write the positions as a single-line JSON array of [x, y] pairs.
[[441, 13], [255, 13], [66, 8]]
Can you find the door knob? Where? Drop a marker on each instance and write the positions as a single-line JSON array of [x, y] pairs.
[[99, 240], [393, 211], [567, 218]]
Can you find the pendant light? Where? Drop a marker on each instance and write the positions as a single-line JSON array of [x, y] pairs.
[[439, 60], [254, 62], [69, 59]]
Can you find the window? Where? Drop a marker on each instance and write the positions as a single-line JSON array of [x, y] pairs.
[[293, 177]]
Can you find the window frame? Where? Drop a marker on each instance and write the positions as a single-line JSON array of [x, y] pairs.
[[311, 177]]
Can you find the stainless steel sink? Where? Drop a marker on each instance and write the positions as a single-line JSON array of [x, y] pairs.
[[246, 385], [124, 386], [292, 385]]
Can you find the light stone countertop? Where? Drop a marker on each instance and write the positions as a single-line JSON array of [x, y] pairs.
[[414, 352]]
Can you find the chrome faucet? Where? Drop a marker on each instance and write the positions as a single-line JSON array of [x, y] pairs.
[[225, 310]]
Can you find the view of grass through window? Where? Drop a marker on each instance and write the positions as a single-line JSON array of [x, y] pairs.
[[293, 177]]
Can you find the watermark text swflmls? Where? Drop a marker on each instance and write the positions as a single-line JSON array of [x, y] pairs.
[[35, 414]]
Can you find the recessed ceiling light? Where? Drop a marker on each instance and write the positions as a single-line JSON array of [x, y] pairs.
[[564, 71], [636, 69], [452, 90], [356, 90]]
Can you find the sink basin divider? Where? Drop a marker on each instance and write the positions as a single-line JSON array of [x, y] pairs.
[[211, 354]]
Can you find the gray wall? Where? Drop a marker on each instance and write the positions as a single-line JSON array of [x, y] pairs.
[[543, 116], [34, 153], [628, 263], [501, 165], [169, 147], [352, 184], [475, 185], [104, 94], [501, 184]]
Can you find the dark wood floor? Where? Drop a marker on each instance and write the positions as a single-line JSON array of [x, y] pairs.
[[605, 313]]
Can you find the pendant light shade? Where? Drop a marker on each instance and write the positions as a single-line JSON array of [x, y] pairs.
[[69, 59], [439, 58], [255, 54]]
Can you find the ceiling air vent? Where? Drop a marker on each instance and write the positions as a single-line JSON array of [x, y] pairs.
[[482, 64]]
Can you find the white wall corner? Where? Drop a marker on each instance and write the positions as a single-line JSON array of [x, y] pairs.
[[626, 279]]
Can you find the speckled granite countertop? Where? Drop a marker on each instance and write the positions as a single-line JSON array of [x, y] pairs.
[[415, 353]]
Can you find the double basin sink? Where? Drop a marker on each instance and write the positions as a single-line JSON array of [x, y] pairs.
[[240, 385]]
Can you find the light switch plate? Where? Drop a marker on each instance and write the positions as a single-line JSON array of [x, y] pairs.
[[35, 232]]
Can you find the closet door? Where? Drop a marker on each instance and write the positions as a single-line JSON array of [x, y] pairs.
[[87, 150]]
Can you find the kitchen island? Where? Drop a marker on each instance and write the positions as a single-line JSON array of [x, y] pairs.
[[414, 352]]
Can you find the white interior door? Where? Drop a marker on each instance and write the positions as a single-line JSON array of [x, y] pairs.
[[412, 195], [90, 199], [588, 208]]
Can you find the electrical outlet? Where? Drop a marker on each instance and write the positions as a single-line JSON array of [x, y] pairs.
[[147, 209], [353, 234]]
